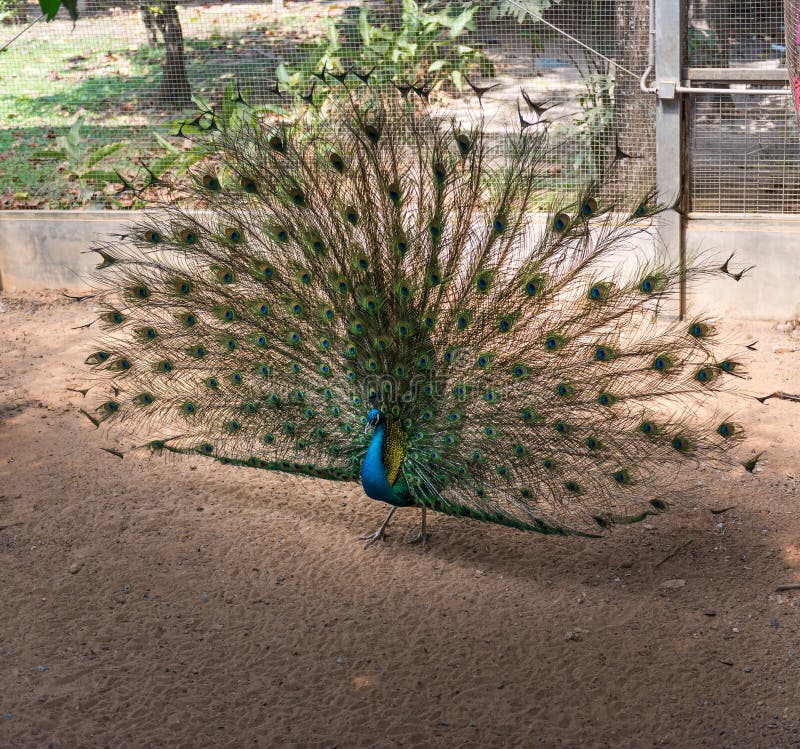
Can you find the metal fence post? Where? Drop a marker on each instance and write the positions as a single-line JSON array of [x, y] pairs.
[[670, 23]]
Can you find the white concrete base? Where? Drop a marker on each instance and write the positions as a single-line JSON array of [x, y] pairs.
[[44, 249], [771, 243]]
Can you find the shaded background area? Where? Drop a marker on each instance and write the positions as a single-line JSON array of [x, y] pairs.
[[112, 80]]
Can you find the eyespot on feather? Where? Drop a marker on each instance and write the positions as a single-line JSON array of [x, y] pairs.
[[565, 390], [249, 185], [588, 208], [122, 364], [297, 196], [393, 192], [337, 162], [681, 444], [533, 285], [224, 275], [561, 222], [500, 223], [649, 428], [464, 143], [554, 342], [114, 317], [704, 375], [234, 234], [728, 429], [604, 353], [210, 182], [140, 292], [653, 283], [622, 476], [662, 363], [599, 292], [701, 330], [373, 133]]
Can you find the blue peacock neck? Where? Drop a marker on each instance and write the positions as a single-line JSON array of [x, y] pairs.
[[373, 472]]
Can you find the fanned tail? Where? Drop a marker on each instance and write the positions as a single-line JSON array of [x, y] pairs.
[[378, 255]]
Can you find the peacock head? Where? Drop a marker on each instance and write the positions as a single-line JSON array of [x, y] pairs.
[[374, 417]]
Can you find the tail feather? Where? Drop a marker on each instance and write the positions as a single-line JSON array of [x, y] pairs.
[[314, 266]]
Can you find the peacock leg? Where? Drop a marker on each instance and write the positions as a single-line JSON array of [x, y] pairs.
[[422, 536], [380, 534]]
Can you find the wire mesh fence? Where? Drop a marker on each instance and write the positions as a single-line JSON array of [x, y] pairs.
[[792, 20], [112, 75], [730, 34], [744, 155], [744, 149], [78, 102]]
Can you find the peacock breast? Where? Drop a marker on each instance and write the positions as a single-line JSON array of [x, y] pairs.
[[394, 450]]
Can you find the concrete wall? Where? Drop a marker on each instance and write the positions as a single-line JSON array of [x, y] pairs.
[[44, 249], [771, 243]]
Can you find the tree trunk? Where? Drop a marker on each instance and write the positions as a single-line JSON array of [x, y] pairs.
[[174, 91], [630, 170], [149, 21]]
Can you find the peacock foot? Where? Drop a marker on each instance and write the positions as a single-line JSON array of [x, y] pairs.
[[371, 538], [380, 534], [422, 535], [421, 539]]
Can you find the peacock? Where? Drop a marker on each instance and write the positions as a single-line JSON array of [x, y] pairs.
[[365, 290]]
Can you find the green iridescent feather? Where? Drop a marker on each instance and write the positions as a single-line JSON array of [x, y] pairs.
[[377, 255]]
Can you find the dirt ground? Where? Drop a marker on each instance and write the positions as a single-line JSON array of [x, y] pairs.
[[147, 603]]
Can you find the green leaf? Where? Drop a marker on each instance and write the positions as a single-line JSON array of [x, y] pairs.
[[165, 144], [160, 166], [99, 176], [72, 8], [74, 133], [365, 28], [100, 153], [436, 65], [202, 105], [333, 36], [461, 22], [50, 8], [49, 155], [285, 77]]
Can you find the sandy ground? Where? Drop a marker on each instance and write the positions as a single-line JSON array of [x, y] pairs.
[[155, 604]]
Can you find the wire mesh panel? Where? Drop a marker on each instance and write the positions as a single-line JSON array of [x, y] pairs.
[[792, 17], [735, 33], [78, 102], [744, 155], [744, 149]]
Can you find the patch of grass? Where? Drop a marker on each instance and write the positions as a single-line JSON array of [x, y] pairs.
[[48, 80]]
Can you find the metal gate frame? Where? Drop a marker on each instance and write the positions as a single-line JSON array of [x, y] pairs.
[[674, 92]]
